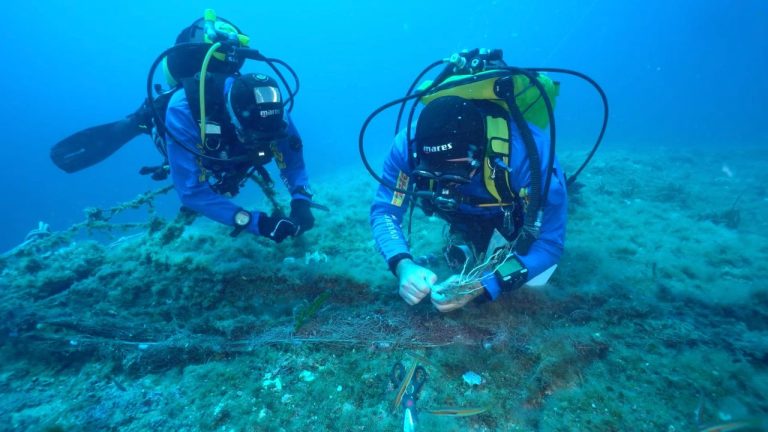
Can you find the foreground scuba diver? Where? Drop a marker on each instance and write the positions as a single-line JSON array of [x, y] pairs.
[[481, 160], [215, 134]]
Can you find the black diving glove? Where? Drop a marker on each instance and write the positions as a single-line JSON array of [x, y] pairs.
[[301, 213], [277, 227]]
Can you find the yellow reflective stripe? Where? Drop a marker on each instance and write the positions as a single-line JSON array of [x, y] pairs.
[[278, 155], [499, 204], [497, 133], [203, 177]]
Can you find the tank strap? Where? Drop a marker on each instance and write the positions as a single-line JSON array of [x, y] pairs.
[[495, 174]]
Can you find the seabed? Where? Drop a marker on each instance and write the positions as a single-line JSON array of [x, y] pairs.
[[656, 320]]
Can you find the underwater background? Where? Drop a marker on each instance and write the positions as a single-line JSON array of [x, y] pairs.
[[680, 74], [657, 318]]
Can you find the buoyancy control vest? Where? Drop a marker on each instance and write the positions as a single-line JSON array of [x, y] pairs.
[[504, 100], [495, 178], [482, 89]]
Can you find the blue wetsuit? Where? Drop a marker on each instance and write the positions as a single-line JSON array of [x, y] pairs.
[[388, 207], [191, 179]]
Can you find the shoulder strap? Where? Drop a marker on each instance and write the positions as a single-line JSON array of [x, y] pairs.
[[498, 133], [215, 105], [219, 130]]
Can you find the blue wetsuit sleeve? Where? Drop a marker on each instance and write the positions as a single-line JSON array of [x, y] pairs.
[[388, 206], [189, 177], [290, 160], [547, 249]]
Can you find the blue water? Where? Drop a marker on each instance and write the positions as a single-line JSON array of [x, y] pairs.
[[683, 74]]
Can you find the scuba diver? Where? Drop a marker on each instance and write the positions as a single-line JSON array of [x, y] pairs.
[[215, 133], [480, 156]]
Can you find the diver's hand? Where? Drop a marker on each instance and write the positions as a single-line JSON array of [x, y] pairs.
[[277, 227], [302, 214], [415, 281], [451, 294]]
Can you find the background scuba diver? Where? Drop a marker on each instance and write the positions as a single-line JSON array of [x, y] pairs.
[[243, 127], [214, 147], [451, 142]]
